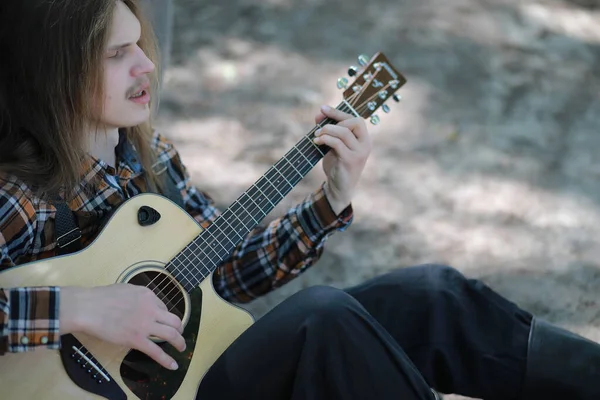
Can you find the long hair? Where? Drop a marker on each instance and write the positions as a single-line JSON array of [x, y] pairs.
[[52, 67]]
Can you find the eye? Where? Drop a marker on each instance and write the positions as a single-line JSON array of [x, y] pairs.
[[116, 54]]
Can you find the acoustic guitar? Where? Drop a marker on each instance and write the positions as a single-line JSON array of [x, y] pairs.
[[151, 241]]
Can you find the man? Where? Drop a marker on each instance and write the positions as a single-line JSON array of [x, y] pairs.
[[74, 101]]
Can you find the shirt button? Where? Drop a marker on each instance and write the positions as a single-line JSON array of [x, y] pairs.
[[24, 340], [44, 340]]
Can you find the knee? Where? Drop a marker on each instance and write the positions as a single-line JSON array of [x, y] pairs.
[[430, 280], [324, 302], [439, 275]]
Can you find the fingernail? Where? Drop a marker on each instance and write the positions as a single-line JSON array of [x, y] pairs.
[[174, 365], [318, 132], [325, 108]]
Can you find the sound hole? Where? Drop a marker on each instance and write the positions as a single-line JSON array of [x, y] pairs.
[[165, 287]]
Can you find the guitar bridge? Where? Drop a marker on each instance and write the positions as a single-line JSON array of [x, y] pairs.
[[86, 372]]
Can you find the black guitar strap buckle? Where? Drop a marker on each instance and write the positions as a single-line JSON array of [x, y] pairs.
[[68, 234], [68, 238]]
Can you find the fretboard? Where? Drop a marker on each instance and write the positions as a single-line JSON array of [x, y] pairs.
[[214, 244]]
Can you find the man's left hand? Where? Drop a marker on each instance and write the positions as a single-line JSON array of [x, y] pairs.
[[350, 143]]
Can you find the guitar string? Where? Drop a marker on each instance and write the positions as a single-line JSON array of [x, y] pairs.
[[368, 82], [365, 103], [304, 146]]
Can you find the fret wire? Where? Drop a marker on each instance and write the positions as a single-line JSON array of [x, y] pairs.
[[275, 169], [201, 260], [179, 270], [241, 237], [316, 146], [184, 276], [318, 155], [292, 155], [241, 203], [183, 262], [183, 279], [309, 162], [189, 263], [197, 255], [187, 266], [275, 187], [252, 200], [234, 230], [282, 171], [265, 196], [209, 232], [222, 229], [197, 259], [234, 215], [284, 178], [298, 172]]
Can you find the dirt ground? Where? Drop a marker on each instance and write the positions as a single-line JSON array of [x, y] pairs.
[[490, 164]]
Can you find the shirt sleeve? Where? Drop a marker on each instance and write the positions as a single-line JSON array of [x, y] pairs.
[[273, 255], [28, 316]]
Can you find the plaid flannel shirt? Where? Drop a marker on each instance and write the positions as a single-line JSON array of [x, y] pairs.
[[266, 259]]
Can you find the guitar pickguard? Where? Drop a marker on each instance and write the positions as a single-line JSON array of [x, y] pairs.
[[151, 381]]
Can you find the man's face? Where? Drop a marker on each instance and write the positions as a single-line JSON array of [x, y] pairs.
[[126, 70]]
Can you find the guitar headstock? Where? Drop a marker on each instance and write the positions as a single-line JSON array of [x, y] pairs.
[[376, 81]]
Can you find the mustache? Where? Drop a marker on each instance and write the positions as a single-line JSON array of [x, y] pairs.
[[142, 83]]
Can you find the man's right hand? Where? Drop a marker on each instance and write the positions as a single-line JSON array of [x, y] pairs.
[[122, 314]]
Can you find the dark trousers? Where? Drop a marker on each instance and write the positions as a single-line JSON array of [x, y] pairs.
[[393, 337]]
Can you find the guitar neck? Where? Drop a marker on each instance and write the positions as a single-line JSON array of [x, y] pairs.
[[207, 251]]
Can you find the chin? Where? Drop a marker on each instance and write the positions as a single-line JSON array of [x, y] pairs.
[[135, 122], [128, 121]]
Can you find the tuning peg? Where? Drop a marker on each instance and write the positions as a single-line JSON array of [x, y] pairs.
[[363, 60], [385, 108], [397, 98], [375, 119], [342, 83], [352, 71]]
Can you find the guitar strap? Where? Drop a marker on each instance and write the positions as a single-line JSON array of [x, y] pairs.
[[68, 233]]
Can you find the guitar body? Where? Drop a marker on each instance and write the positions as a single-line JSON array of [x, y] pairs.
[[125, 251]]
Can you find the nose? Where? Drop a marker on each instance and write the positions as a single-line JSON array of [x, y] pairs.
[[144, 66]]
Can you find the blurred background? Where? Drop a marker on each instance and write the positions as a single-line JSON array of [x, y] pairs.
[[491, 163]]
